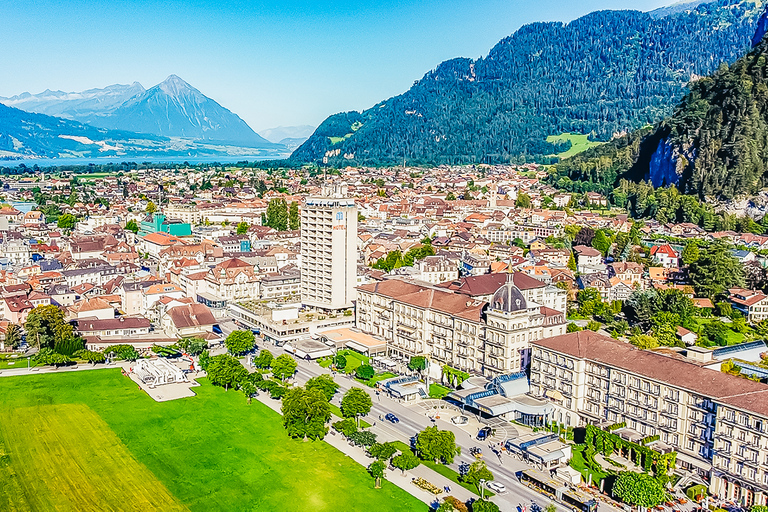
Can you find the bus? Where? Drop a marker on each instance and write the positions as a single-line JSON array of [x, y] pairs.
[[556, 489]]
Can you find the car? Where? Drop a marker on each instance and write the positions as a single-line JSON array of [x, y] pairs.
[[496, 487], [484, 433], [477, 452], [392, 418]]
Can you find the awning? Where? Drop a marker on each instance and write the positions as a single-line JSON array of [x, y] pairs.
[[693, 461], [554, 394]]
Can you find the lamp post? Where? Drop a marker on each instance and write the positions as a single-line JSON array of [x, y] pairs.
[[482, 488]]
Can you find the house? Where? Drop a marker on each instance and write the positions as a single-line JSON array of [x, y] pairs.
[[188, 320], [233, 279], [665, 256], [600, 282], [751, 303], [588, 259], [95, 307], [619, 289], [627, 271], [112, 327], [686, 336]]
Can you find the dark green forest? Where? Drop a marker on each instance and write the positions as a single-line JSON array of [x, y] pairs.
[[606, 73], [715, 144]]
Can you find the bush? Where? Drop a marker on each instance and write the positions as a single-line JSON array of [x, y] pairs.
[[340, 361], [90, 356], [346, 427], [122, 352], [365, 372], [362, 438]]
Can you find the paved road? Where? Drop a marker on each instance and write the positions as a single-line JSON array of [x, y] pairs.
[[413, 419]]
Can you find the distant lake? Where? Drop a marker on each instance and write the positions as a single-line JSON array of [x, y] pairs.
[[48, 162]]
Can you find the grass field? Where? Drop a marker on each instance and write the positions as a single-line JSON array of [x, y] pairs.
[[438, 390], [211, 452], [579, 143], [64, 457]]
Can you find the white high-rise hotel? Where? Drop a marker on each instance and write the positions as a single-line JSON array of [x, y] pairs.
[[329, 250]]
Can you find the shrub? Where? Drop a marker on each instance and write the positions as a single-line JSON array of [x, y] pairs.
[[365, 372], [362, 438], [346, 427]]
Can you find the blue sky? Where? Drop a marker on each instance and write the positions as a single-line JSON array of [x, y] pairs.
[[273, 63]]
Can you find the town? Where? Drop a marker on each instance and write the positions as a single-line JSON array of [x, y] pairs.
[[518, 344]]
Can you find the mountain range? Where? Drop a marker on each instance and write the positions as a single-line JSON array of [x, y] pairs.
[[604, 74], [172, 109], [714, 145]]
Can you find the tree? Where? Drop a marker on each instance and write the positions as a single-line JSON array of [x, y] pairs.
[[132, 226], [477, 471], [91, 356], [523, 200], [601, 242], [340, 361], [12, 336], [365, 372], [356, 403], [204, 360], [294, 222], [277, 214], [346, 426], [48, 357], [417, 363], [123, 352], [305, 413], [151, 208], [193, 346], [46, 327], [405, 461], [638, 489], [325, 384], [489, 506], [382, 451], [593, 325], [572, 262], [584, 236], [66, 221], [376, 470], [284, 367], [452, 504], [690, 254], [242, 228], [264, 360], [437, 445], [450, 197], [644, 342], [240, 342], [362, 438], [716, 271], [226, 371]]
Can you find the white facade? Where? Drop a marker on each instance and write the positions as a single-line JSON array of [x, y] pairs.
[[328, 252]]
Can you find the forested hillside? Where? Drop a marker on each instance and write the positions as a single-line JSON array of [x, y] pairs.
[[606, 73], [714, 145]]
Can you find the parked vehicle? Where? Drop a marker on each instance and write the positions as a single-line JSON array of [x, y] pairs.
[[391, 418]]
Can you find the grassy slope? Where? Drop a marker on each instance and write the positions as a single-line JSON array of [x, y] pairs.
[[213, 451], [579, 143], [64, 457]]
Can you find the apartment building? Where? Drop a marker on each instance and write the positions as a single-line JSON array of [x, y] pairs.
[[490, 338], [328, 252], [717, 423], [484, 286], [752, 304], [187, 213]]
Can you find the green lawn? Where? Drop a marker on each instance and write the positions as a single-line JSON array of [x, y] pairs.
[[732, 337], [211, 452], [376, 378], [438, 390], [17, 362], [579, 143], [354, 359]]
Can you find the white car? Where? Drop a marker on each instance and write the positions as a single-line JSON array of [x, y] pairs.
[[496, 487]]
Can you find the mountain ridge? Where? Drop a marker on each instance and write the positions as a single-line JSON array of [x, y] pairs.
[[172, 108], [601, 74]]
